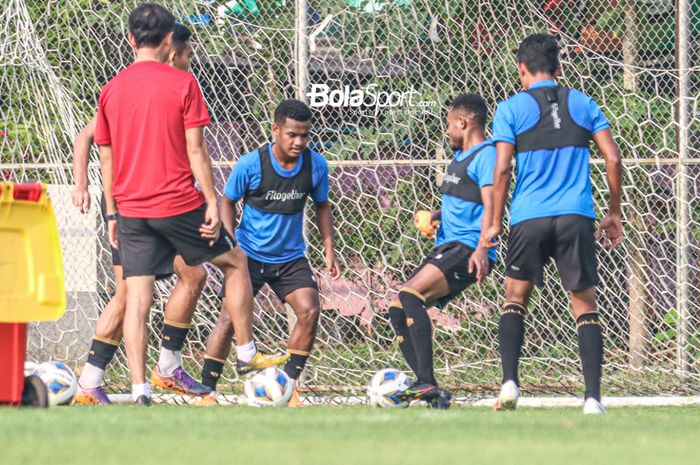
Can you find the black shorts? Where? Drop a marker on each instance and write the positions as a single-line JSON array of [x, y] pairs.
[[148, 246], [116, 261], [283, 278], [568, 239], [452, 259]]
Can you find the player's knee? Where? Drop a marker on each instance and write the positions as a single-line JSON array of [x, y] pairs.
[[308, 316], [194, 278]]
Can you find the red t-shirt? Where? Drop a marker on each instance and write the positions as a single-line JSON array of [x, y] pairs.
[[143, 113]]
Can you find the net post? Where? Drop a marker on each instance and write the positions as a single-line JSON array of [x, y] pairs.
[[683, 212]]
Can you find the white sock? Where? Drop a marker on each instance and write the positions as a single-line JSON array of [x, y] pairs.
[[169, 361], [91, 377], [246, 352], [138, 390]]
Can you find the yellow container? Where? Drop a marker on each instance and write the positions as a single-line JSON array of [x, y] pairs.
[[31, 269]]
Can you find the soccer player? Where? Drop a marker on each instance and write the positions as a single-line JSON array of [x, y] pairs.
[[181, 304], [458, 259], [549, 128], [150, 126], [274, 182]]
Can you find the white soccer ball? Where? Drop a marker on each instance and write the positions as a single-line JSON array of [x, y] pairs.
[[270, 387], [29, 368], [386, 386], [60, 381]]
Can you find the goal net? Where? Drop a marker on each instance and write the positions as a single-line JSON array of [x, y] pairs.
[[386, 160]]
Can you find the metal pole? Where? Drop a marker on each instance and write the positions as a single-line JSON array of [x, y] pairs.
[[302, 50], [683, 223]]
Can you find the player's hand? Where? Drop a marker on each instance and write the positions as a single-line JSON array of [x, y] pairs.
[[113, 234], [490, 237], [610, 231], [81, 199], [333, 266], [424, 223], [479, 264], [212, 224]]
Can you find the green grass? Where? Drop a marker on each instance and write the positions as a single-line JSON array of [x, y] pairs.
[[174, 435]]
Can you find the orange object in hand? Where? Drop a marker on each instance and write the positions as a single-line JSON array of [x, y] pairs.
[[424, 223]]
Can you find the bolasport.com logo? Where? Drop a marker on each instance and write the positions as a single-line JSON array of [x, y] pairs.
[[369, 100]]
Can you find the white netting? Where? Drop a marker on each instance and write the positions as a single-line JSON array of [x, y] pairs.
[[55, 55]]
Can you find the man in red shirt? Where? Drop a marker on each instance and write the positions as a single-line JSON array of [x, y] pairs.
[[150, 125], [168, 373]]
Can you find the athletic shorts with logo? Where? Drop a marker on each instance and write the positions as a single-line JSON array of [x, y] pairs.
[[452, 259], [283, 278], [568, 239], [147, 246]]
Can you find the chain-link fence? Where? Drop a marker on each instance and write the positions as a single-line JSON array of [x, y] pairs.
[[637, 58]]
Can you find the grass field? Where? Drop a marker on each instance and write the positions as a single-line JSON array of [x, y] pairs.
[[346, 435]]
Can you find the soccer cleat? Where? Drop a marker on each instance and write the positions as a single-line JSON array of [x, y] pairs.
[[94, 396], [295, 400], [209, 400], [422, 391], [508, 398], [440, 401], [593, 407], [179, 382], [259, 362], [142, 400]]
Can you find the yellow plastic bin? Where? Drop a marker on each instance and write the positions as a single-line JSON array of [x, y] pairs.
[[31, 283]]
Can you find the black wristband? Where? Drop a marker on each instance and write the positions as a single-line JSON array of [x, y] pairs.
[[111, 217]]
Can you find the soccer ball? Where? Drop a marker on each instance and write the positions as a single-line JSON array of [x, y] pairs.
[[60, 382], [29, 368], [385, 387], [270, 387]]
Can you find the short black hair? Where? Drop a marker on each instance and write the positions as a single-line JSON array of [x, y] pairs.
[[150, 23], [474, 104], [539, 53], [293, 109], [181, 35]]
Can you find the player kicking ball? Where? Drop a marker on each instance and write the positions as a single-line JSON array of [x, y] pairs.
[[169, 373], [549, 128], [458, 259], [274, 182]]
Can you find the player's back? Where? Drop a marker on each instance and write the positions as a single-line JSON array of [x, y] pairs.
[[146, 109], [552, 156]]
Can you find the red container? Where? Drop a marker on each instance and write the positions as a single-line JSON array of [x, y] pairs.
[[13, 348]]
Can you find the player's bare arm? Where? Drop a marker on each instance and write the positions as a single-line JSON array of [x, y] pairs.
[[479, 261], [201, 168], [81, 158], [610, 230], [324, 220], [106, 167], [501, 182]]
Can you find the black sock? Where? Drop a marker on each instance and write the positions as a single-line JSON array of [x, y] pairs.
[[102, 352], [211, 372], [511, 333], [398, 322], [174, 335], [295, 364], [421, 332], [590, 346]]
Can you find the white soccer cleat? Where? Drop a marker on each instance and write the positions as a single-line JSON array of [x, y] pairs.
[[508, 398], [593, 407]]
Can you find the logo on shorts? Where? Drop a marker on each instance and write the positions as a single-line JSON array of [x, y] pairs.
[[456, 275], [513, 267], [313, 278], [438, 256]]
